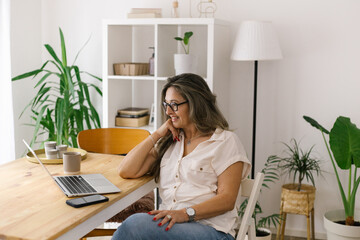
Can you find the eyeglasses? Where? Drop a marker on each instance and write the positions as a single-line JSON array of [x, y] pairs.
[[174, 106]]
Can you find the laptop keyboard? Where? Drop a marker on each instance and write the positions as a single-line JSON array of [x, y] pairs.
[[76, 185]]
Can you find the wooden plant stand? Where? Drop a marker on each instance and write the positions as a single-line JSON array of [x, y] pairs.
[[297, 202]]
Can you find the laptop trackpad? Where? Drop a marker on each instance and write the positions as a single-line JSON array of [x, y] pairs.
[[99, 182]]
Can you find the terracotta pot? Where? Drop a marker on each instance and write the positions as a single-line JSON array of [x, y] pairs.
[[336, 231]]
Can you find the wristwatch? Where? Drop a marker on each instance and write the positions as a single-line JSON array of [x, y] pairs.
[[191, 213]]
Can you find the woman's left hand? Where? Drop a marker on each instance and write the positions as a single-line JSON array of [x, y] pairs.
[[169, 216]]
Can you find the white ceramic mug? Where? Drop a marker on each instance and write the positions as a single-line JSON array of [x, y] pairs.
[[72, 162], [62, 149], [51, 153], [49, 145]]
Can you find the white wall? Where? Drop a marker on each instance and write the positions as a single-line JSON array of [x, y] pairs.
[[25, 56], [317, 77]]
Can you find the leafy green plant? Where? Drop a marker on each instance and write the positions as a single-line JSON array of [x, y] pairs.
[[344, 140], [185, 41], [62, 105], [271, 174], [299, 163]]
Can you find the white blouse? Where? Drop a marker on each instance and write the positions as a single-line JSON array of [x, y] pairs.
[[190, 180]]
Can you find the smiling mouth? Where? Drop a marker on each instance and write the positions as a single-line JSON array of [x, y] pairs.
[[173, 118]]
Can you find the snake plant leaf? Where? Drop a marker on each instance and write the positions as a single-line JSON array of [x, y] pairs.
[[77, 55], [59, 116], [315, 124], [63, 48], [43, 79], [28, 74], [53, 54], [345, 143], [70, 81], [92, 75]]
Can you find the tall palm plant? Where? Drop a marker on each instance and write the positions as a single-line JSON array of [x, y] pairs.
[[62, 106]]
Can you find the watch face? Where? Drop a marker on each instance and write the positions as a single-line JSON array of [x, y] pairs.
[[190, 211]]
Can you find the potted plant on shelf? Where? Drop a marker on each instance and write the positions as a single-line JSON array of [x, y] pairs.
[[296, 197], [185, 63], [344, 140], [262, 224], [62, 105]]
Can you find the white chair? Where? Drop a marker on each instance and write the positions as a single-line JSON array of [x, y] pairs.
[[249, 188]]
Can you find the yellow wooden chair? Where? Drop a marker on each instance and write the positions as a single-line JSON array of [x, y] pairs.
[[115, 141]]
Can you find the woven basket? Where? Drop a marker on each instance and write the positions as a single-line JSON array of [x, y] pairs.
[[297, 202]]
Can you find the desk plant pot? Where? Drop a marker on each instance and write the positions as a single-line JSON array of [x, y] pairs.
[[338, 231], [185, 63]]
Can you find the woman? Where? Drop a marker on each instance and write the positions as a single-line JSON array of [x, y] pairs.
[[198, 164]]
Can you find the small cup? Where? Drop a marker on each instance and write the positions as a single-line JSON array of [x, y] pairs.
[[71, 162], [51, 154], [49, 145], [61, 150]]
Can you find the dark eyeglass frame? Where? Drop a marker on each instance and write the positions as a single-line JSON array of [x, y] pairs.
[[173, 105]]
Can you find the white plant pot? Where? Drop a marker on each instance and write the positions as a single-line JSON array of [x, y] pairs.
[[185, 63], [268, 237], [337, 231]]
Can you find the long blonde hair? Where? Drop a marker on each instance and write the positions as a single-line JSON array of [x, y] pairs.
[[203, 110]]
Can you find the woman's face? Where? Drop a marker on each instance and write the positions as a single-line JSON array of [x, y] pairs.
[[179, 118]]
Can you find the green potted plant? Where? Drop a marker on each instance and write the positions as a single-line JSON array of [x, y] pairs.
[[297, 197], [299, 164], [344, 141], [62, 106], [271, 174], [185, 63]]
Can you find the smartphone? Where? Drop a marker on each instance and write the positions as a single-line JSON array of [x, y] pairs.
[[87, 200]]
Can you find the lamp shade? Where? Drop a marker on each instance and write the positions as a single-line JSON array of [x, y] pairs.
[[256, 40]]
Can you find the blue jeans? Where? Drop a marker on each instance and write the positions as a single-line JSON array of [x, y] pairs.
[[140, 226]]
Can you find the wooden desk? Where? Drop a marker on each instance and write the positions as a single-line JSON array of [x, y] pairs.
[[33, 207]]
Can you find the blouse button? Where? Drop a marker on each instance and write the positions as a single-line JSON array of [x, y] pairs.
[[174, 186], [201, 169], [176, 176], [174, 200]]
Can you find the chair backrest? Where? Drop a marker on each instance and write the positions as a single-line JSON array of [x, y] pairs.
[[249, 188], [111, 140]]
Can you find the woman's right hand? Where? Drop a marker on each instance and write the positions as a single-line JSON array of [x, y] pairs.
[[168, 128]]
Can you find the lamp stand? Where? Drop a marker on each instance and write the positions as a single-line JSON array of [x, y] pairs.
[[254, 121]]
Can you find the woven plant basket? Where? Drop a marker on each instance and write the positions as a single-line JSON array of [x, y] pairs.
[[297, 202]]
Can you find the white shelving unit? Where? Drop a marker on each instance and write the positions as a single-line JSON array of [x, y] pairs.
[[128, 40]]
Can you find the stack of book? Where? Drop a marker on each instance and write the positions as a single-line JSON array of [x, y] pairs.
[[144, 13], [132, 117]]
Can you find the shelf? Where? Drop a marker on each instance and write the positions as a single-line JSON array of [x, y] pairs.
[[128, 40], [144, 77], [141, 77]]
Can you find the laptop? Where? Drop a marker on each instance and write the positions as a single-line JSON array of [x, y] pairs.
[[80, 185]]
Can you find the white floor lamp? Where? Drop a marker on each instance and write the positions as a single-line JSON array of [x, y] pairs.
[[255, 41]]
